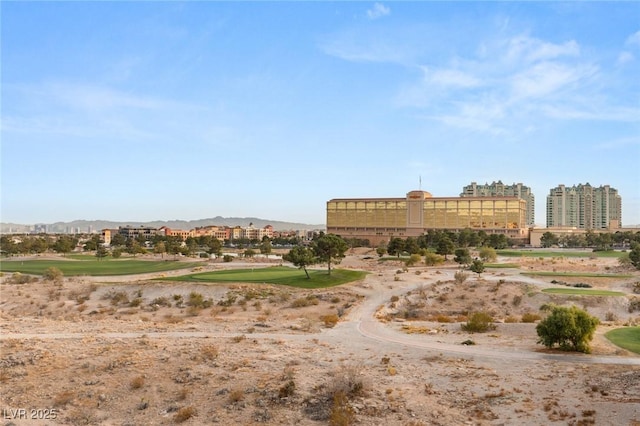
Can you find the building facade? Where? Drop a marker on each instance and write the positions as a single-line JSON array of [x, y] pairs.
[[584, 207], [499, 189], [380, 219]]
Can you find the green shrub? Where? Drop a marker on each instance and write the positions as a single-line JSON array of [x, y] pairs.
[[197, 300], [570, 328], [479, 322]]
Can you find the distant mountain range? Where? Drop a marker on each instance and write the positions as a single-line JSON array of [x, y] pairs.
[[85, 226]]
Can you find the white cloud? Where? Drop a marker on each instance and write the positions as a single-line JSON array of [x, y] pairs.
[[378, 11], [633, 39], [97, 97], [546, 78], [529, 49], [451, 78], [625, 57], [351, 48]]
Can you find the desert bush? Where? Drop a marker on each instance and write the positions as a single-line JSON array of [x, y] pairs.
[[510, 319], [305, 301], [53, 274], [636, 287], [169, 318], [116, 297], [487, 254], [634, 304], [414, 259], [135, 302], [479, 322], [193, 311], [517, 300], [63, 398], [433, 259], [184, 414], [197, 300], [227, 258], [239, 338], [287, 390], [161, 301], [341, 412], [230, 300], [442, 318], [18, 278], [137, 382], [329, 320], [394, 299], [236, 395], [610, 316], [529, 317], [460, 277], [349, 380]]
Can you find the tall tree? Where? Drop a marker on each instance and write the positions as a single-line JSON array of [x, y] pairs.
[[396, 246], [445, 246], [301, 257], [462, 256], [64, 244], [548, 239], [265, 246], [411, 245], [101, 252], [330, 248], [634, 255], [477, 266]]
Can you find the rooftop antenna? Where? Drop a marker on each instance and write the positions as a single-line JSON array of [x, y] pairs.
[[420, 182]]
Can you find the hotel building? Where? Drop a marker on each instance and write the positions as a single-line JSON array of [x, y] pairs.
[[584, 207], [380, 219], [499, 189]]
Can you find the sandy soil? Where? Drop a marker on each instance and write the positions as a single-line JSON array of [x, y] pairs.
[[130, 351]]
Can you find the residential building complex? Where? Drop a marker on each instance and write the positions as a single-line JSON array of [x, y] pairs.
[[220, 232], [499, 189], [584, 207], [380, 219]]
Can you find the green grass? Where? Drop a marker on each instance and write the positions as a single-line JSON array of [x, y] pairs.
[[582, 291], [575, 274], [627, 338], [550, 253], [501, 265], [93, 267], [281, 275]]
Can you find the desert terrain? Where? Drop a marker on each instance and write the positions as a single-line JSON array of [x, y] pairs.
[[386, 350]]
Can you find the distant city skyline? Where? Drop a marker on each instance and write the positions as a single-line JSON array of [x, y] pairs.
[[147, 111]]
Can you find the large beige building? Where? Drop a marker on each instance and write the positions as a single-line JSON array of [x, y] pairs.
[[380, 219], [584, 207], [499, 189]]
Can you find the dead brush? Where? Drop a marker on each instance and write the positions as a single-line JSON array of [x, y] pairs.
[[236, 395], [63, 398], [184, 414], [209, 352], [137, 382]]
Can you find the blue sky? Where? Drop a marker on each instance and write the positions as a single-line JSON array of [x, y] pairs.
[[141, 111]]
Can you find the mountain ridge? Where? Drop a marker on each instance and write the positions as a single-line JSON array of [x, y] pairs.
[[96, 225]]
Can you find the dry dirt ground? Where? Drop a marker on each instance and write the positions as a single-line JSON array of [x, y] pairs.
[[130, 351]]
